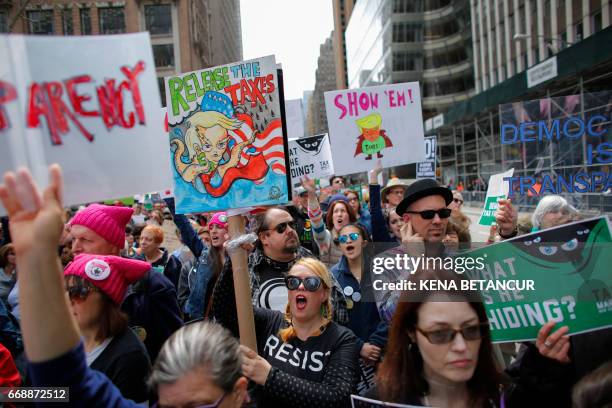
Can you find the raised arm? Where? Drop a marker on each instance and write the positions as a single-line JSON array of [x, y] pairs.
[[189, 235], [321, 235], [36, 226]]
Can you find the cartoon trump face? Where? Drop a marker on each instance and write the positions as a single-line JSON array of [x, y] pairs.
[[372, 139]]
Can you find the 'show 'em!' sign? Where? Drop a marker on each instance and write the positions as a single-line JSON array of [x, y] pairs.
[[380, 122], [226, 137], [90, 104]]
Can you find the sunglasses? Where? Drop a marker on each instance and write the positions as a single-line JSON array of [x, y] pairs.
[[282, 227], [79, 293], [458, 200], [445, 336], [430, 214], [311, 283], [344, 238]]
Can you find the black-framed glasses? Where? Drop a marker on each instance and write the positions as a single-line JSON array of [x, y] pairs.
[[445, 336], [213, 405], [311, 283], [282, 227], [458, 200], [354, 236], [430, 214]]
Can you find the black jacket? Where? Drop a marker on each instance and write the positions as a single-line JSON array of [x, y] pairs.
[[152, 307], [126, 363]]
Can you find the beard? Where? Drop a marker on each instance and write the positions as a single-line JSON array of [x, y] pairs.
[[291, 246]]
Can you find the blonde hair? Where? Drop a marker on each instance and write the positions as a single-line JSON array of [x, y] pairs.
[[206, 120], [321, 271]]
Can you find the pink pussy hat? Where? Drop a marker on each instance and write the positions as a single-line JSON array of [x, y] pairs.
[[110, 274], [220, 219], [107, 221]]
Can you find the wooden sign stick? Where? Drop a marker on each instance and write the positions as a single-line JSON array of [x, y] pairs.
[[242, 288]]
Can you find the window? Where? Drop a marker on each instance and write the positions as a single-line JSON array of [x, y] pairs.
[[85, 21], [4, 21], [112, 20], [407, 32], [158, 18], [407, 61], [41, 22], [597, 22], [67, 28], [163, 54], [579, 32]]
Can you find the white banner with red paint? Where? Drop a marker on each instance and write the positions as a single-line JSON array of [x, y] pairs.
[[90, 104], [380, 122]]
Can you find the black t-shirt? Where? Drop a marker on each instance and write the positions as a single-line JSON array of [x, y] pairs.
[[273, 292], [320, 372]]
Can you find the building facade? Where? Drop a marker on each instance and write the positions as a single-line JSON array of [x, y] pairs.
[[393, 41], [181, 32], [342, 13], [515, 41], [226, 31], [325, 80]]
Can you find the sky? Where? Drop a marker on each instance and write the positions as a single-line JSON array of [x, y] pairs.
[[293, 31]]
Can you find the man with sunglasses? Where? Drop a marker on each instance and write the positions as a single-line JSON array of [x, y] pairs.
[[276, 250], [425, 213]]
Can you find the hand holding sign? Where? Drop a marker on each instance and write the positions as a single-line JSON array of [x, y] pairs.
[[506, 217], [556, 346], [254, 367], [375, 172], [309, 185]]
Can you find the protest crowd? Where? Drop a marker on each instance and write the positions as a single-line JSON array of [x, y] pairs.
[[148, 323], [222, 280]]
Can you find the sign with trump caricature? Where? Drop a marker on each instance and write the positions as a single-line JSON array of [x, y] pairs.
[[226, 137], [380, 122]]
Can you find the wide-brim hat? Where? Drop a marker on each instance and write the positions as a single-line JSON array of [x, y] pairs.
[[420, 189], [394, 182]]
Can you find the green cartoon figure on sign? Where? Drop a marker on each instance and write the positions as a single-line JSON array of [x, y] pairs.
[[372, 139]]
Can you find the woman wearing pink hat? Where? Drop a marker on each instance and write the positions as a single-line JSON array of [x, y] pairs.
[[210, 261], [96, 286]]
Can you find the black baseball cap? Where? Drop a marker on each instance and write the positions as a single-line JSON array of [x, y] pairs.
[[420, 189]]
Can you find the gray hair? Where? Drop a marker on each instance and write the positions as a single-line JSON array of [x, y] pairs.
[[551, 204], [196, 345]]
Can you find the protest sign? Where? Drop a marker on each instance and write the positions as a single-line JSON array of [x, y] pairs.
[[226, 137], [498, 189], [383, 122], [427, 168], [310, 156], [569, 267], [570, 131], [295, 118], [90, 104], [362, 402]]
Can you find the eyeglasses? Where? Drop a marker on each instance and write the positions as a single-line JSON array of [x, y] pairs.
[[430, 214], [79, 293], [445, 336], [213, 405], [344, 238], [282, 227], [458, 200], [311, 283]]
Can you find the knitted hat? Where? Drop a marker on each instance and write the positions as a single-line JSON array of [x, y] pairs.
[[110, 274], [107, 221], [220, 219]]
